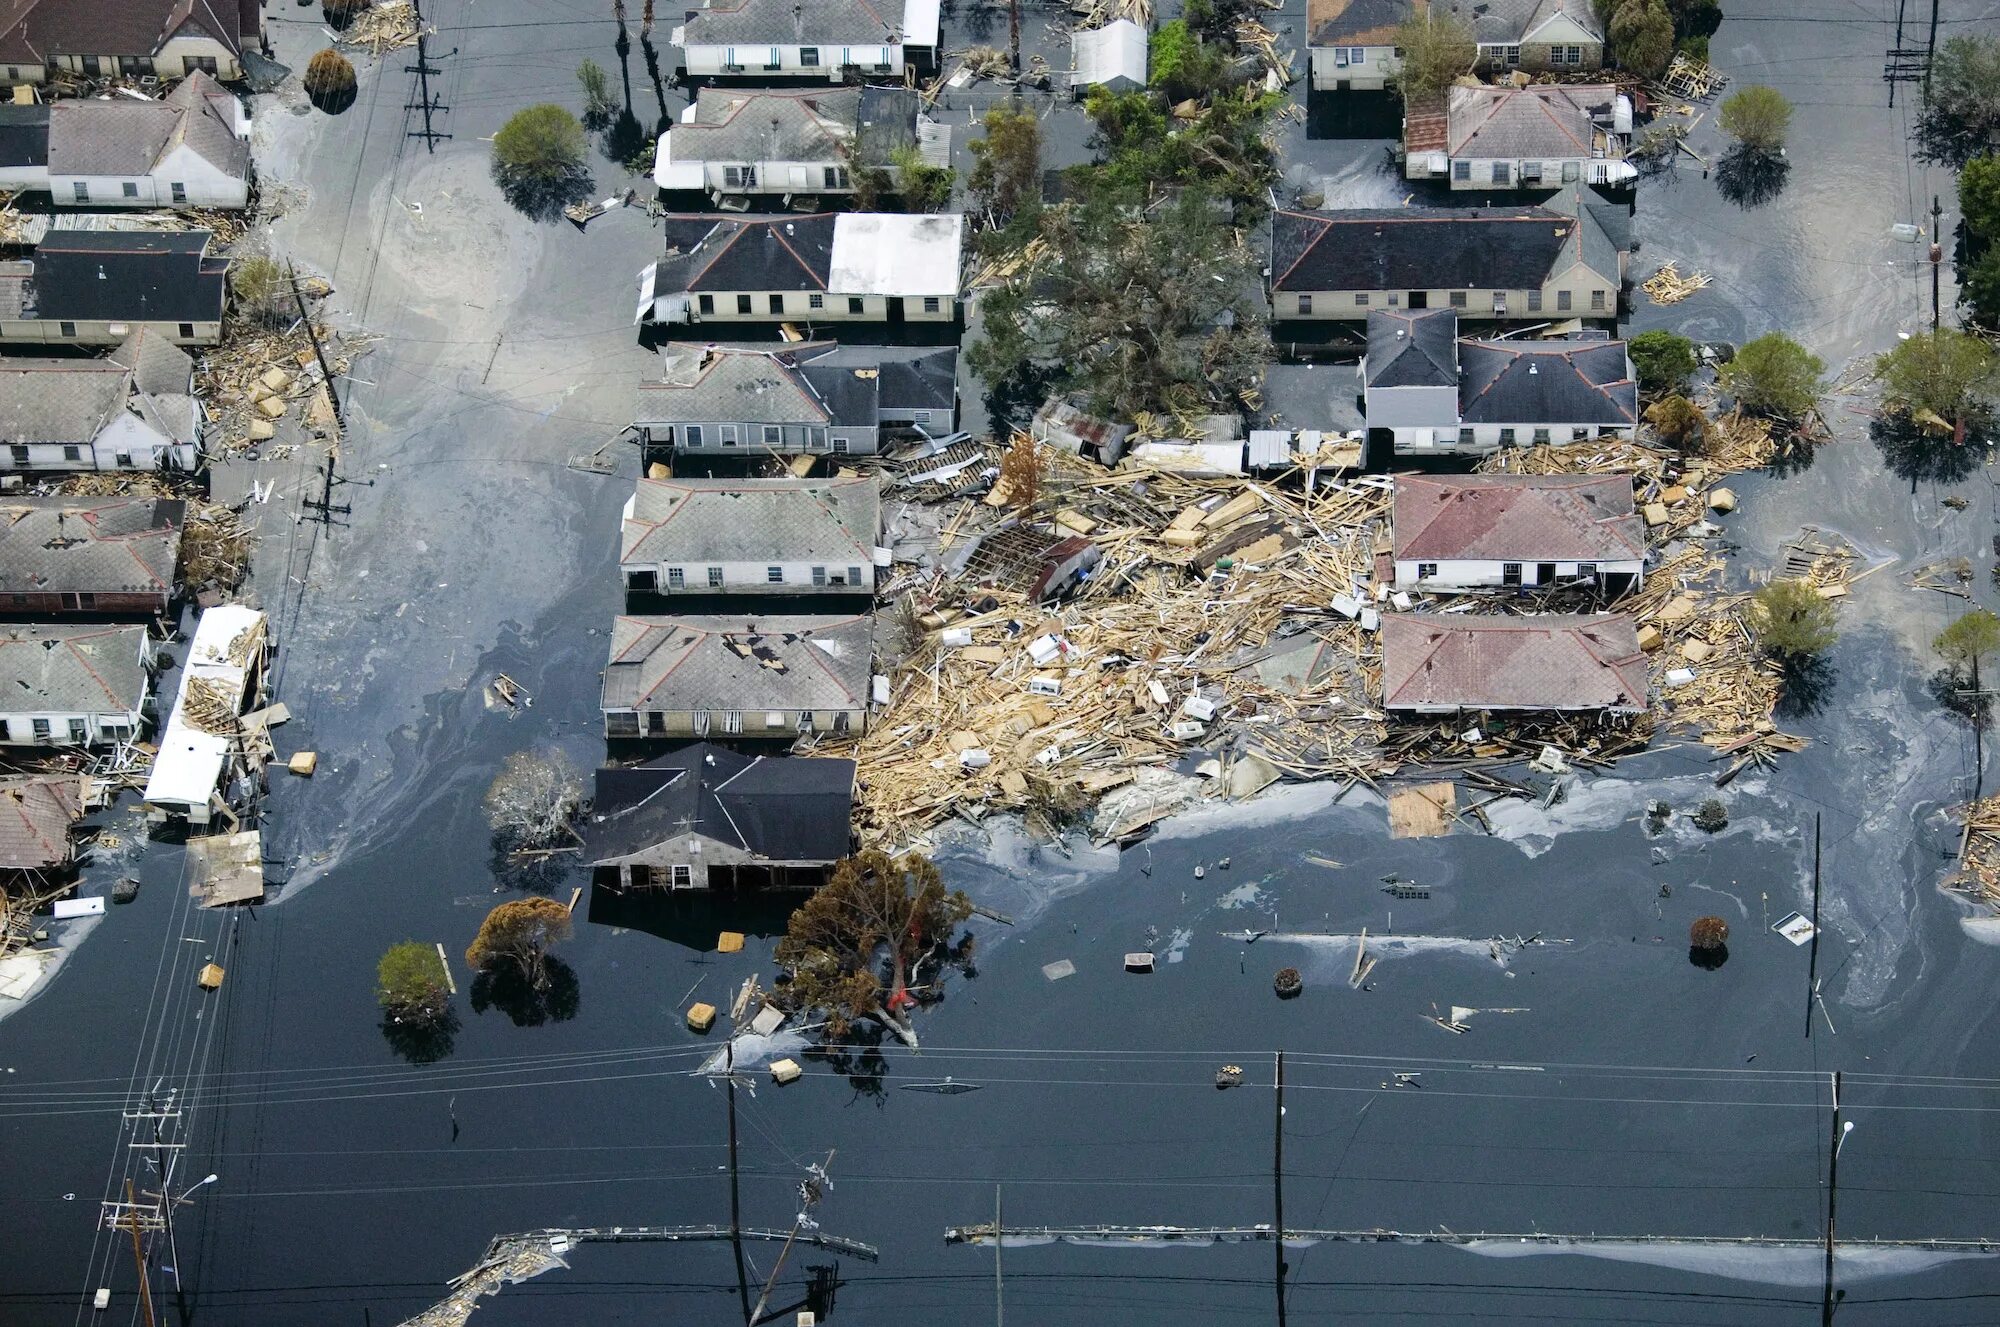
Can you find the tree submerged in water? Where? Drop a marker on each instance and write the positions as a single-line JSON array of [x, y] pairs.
[[516, 936], [1708, 942]]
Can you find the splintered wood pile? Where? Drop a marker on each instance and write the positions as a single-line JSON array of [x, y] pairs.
[[1979, 851], [251, 381], [208, 705], [1096, 13], [215, 548], [1668, 286], [386, 27]]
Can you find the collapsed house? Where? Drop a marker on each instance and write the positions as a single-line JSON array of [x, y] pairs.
[[1439, 663], [1112, 57], [89, 555], [1473, 532], [97, 287], [753, 536], [37, 815], [773, 679], [204, 745], [769, 141], [78, 686], [708, 818], [1535, 137], [1063, 424], [1038, 563], [134, 409]]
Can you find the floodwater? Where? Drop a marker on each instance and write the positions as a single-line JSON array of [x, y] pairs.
[[1606, 1084]]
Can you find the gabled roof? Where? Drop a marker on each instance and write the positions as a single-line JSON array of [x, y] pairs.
[[1547, 120], [1517, 518], [159, 367], [208, 124], [125, 276], [687, 522], [727, 254], [71, 670], [1546, 382], [696, 664], [813, 383], [1357, 22], [906, 377], [1417, 248], [89, 545], [35, 818], [1412, 348], [45, 28], [66, 401], [780, 808], [768, 124], [1469, 661], [793, 23], [108, 135], [1511, 22]]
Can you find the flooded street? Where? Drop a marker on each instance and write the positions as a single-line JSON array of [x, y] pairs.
[[1603, 1084]]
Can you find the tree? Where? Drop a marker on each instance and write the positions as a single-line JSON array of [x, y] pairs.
[[1641, 38], [263, 295], [329, 81], [1757, 117], [542, 146], [1971, 638], [1961, 113], [597, 101], [1946, 374], [1021, 471], [1708, 933], [1183, 65], [924, 187], [1979, 287], [1436, 50], [1679, 421], [1775, 375], [1007, 163], [1979, 196], [519, 934], [533, 798], [878, 924], [411, 984], [1664, 360], [1697, 19], [1792, 620]]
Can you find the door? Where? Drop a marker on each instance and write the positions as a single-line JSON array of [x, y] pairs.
[[1545, 573], [895, 309], [1420, 299]]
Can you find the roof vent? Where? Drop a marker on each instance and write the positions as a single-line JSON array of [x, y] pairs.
[[788, 228], [1534, 368]]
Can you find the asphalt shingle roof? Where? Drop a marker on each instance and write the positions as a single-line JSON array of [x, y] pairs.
[[1508, 22], [1517, 518], [726, 254], [764, 124], [696, 664], [35, 818], [796, 22], [89, 545], [686, 522], [729, 384], [1481, 662], [67, 401], [781, 808], [1545, 382], [159, 367], [907, 377], [71, 670], [24, 135], [1417, 248], [1551, 120], [1412, 349], [45, 28], [1356, 22], [120, 276]]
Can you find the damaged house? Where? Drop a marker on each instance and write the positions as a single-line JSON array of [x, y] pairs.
[[1538, 137], [1066, 426], [203, 747], [1475, 532], [73, 686], [753, 536], [89, 555], [132, 410], [1566, 257], [37, 815], [99, 39], [845, 267], [1039, 563], [1447, 663], [770, 679], [1436, 393], [189, 149], [97, 287], [830, 40], [815, 398], [708, 818], [737, 141]]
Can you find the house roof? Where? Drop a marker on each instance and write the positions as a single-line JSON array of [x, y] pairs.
[[89, 545], [1117, 50], [906, 377], [1356, 22], [814, 383], [71, 670], [1546, 382], [24, 135], [764, 124], [119, 276], [35, 818], [1509, 22], [1552, 120], [1487, 661], [888, 121], [896, 254], [1412, 348], [695, 664], [67, 401], [790, 23], [1517, 518], [692, 521], [208, 124], [715, 254], [108, 135], [1443, 248], [159, 367], [781, 808], [44, 28]]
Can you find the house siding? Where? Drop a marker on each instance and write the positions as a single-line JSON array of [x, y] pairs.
[[814, 439], [100, 729], [1482, 573], [1378, 68], [756, 725], [127, 435], [55, 604], [49, 332], [754, 577], [1578, 282], [798, 304], [1441, 440], [777, 177], [755, 61]]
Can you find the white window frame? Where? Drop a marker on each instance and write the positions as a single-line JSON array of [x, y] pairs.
[[725, 435], [1427, 571], [839, 445], [819, 577], [816, 301], [677, 578], [732, 721], [680, 876], [691, 435], [715, 578], [774, 575], [774, 435]]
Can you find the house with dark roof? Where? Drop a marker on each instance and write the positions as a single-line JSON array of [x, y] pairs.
[[1352, 43], [24, 148], [89, 555], [103, 39], [1436, 393], [189, 149], [132, 410], [823, 39], [770, 679], [707, 537], [1564, 258], [1473, 532], [1542, 136], [1535, 36], [709, 818], [814, 398], [782, 141], [1447, 663], [37, 813], [853, 266], [98, 287], [73, 685]]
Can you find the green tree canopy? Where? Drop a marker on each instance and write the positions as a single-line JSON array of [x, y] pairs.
[[411, 983], [1962, 112], [540, 145], [1664, 360], [1979, 287], [596, 84], [1757, 117], [1182, 65], [1979, 196], [1775, 375], [1793, 620], [1436, 49], [1641, 37], [923, 187], [1973, 636], [1948, 373], [1007, 163]]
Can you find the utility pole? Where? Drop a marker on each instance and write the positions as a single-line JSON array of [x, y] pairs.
[[319, 351], [1937, 259], [1930, 51], [811, 1190], [138, 1254], [1832, 1191], [423, 69], [1014, 37], [1812, 970], [999, 1289], [735, 1193], [1278, 1185]]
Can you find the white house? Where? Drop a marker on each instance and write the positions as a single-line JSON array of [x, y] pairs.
[[794, 141], [1543, 136], [703, 537], [225, 665], [1352, 43], [1113, 57], [1476, 532], [190, 149], [825, 39], [132, 410], [72, 685]]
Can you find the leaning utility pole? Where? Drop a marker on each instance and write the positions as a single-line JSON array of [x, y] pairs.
[[811, 1190], [1832, 1190], [425, 102], [735, 1193], [1277, 1186], [1812, 969], [319, 351], [138, 1254]]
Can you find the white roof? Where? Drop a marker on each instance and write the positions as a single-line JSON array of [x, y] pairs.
[[920, 22], [1191, 458], [191, 759], [1116, 50], [885, 253], [671, 174]]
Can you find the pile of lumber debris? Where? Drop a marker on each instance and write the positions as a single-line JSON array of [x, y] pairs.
[[252, 380], [389, 26], [1978, 874], [1668, 286]]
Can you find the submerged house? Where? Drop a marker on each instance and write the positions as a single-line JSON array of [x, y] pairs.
[[823, 39], [89, 555], [706, 537], [132, 410], [1445, 663], [73, 685], [708, 818], [202, 748], [1542, 136], [777, 141], [1472, 532], [773, 678], [97, 287], [98, 39], [1352, 43]]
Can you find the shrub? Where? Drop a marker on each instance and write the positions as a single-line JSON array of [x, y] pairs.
[[1664, 360], [329, 80], [1711, 817], [1775, 375], [411, 983], [1793, 620], [540, 145], [1708, 933], [1641, 37], [1757, 117]]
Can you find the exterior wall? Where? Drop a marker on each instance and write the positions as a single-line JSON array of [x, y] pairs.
[[55, 604], [755, 578], [1377, 68], [127, 436], [176, 59], [25, 179], [1476, 574], [1555, 171], [754, 724], [799, 304], [1578, 284], [756, 61], [778, 177], [930, 418], [18, 729], [1492, 437], [23, 73], [53, 332], [1538, 57], [839, 440]]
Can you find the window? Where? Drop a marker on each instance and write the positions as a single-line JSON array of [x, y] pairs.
[[819, 577], [726, 434], [79, 732], [1506, 437], [805, 721], [13, 73], [1562, 300], [180, 192], [1510, 573], [80, 190], [839, 445], [732, 721], [117, 732], [1573, 54], [816, 301], [932, 304], [715, 578], [1541, 437], [19, 453], [681, 876], [1465, 437], [774, 435], [854, 305], [691, 435], [840, 721], [774, 575], [1361, 300], [124, 460], [1340, 57], [1305, 306], [739, 177], [1500, 170], [621, 725], [836, 177], [854, 575], [729, 60], [92, 67], [677, 578], [1395, 298], [1534, 301], [1570, 172], [130, 188], [1510, 56], [808, 57], [1357, 55], [743, 304], [1427, 571], [771, 60], [187, 331], [1457, 299], [777, 303], [66, 329], [700, 724], [1461, 170], [41, 730], [70, 453], [1588, 570], [707, 304], [1531, 171], [641, 580], [1597, 300], [205, 63]]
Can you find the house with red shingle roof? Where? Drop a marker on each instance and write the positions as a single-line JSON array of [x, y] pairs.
[[105, 39], [1444, 663], [1469, 532]]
